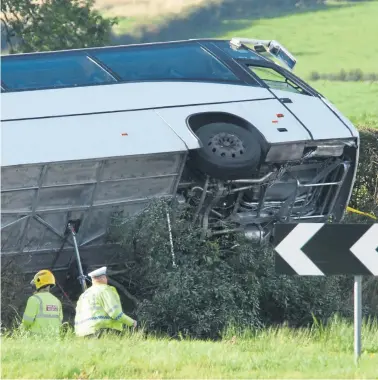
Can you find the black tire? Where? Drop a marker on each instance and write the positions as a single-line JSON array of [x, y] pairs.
[[238, 158]]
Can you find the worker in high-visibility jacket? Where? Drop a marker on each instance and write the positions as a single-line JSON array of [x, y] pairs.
[[43, 313], [99, 309]]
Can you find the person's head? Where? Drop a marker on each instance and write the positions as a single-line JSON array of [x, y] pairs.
[[99, 276], [100, 280], [43, 280]]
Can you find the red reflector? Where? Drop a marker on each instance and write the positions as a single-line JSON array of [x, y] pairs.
[[124, 134], [280, 115], [274, 121]]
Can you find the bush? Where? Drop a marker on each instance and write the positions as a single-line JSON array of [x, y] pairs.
[[365, 191], [12, 289], [217, 282], [352, 76]]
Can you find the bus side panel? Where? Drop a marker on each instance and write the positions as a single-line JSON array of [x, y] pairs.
[[122, 97], [84, 137]]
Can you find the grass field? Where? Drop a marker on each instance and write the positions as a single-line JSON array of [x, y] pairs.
[[140, 8], [340, 36], [274, 353]]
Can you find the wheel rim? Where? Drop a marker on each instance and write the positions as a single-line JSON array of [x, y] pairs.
[[226, 145]]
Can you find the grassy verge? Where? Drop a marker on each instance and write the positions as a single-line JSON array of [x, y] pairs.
[[325, 352]]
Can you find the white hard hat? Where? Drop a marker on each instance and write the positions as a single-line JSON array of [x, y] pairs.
[[98, 272]]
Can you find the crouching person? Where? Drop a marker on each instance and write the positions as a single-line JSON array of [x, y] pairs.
[[99, 309], [43, 313]]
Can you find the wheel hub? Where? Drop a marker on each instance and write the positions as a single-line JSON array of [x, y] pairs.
[[226, 145]]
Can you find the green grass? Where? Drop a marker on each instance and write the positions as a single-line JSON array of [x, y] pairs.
[[353, 99], [326, 40], [325, 352]]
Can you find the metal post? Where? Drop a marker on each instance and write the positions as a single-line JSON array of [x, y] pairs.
[[357, 316], [171, 239], [81, 277]]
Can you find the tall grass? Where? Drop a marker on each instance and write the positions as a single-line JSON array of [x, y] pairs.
[[280, 352]]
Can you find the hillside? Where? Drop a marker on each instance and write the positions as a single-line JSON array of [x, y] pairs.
[[141, 8]]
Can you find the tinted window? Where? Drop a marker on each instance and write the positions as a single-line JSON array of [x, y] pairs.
[[275, 80], [238, 53], [51, 71], [171, 62]]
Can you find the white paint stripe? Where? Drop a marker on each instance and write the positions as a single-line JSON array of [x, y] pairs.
[[365, 249], [290, 249]]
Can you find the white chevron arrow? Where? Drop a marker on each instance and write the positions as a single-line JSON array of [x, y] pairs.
[[290, 249], [365, 249]]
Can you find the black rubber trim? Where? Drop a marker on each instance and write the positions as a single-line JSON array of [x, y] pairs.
[[134, 109], [286, 100]]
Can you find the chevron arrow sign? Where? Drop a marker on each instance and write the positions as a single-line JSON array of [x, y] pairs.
[[320, 249]]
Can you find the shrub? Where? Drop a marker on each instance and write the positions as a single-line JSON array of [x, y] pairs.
[[355, 75], [365, 191], [12, 289], [216, 282]]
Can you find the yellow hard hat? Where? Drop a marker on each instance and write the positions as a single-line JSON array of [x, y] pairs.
[[42, 278]]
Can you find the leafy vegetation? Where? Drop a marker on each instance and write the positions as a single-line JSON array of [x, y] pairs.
[[53, 25], [365, 192], [12, 285], [216, 282], [344, 76], [316, 352]]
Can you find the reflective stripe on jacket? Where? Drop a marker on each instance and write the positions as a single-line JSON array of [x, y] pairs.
[[99, 307], [43, 314]]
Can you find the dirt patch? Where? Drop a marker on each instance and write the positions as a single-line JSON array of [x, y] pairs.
[[150, 8]]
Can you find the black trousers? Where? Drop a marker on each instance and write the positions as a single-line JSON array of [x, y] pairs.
[[101, 332]]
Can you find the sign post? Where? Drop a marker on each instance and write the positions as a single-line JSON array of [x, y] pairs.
[[357, 316], [320, 249]]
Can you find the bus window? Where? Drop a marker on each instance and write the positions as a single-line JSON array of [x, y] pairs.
[[168, 62], [51, 71]]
